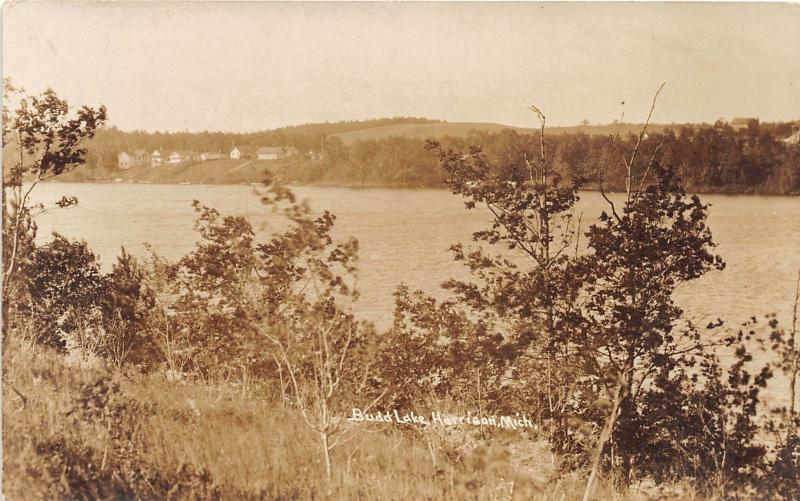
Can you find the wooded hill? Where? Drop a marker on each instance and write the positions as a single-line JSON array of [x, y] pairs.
[[391, 152]]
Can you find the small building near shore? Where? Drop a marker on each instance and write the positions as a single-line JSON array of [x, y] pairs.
[[269, 153], [210, 155], [740, 123], [140, 158], [275, 152], [124, 160], [155, 159], [179, 157], [241, 152]]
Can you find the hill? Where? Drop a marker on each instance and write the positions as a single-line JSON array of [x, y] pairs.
[[713, 159], [463, 129]]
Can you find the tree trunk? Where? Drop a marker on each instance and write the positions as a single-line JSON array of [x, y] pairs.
[[626, 415], [794, 352], [605, 434], [326, 454]]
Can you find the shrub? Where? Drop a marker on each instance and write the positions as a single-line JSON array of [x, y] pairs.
[[65, 287]]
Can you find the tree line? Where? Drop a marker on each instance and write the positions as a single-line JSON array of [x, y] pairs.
[[109, 141], [709, 158]]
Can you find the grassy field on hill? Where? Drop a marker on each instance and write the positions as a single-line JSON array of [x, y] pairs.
[[462, 129]]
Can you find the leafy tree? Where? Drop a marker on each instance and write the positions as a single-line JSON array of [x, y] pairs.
[[128, 303], [437, 351], [64, 288], [522, 304], [335, 153], [601, 326], [42, 139], [701, 422], [302, 307], [275, 310], [638, 255]]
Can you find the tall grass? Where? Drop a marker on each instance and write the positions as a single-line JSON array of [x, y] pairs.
[[78, 432]]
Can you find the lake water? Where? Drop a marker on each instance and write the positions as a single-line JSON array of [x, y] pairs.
[[404, 236]]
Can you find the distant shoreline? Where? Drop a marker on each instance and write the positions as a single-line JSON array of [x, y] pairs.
[[753, 191]]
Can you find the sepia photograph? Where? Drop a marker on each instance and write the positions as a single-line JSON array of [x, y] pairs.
[[258, 250]]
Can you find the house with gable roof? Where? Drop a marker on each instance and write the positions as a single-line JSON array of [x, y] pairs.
[[241, 152]]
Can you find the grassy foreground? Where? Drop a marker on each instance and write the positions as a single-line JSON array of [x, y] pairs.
[[75, 431]]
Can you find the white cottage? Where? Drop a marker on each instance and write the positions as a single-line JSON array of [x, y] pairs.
[[269, 153], [242, 152], [210, 155], [124, 160]]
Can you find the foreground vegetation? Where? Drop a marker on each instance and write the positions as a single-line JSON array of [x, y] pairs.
[[231, 372], [77, 431]]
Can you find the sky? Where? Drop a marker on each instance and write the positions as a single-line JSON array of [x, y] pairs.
[[246, 66]]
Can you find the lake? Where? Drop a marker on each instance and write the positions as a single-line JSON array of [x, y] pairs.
[[404, 236]]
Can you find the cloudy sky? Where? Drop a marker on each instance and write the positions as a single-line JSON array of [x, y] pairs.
[[249, 66]]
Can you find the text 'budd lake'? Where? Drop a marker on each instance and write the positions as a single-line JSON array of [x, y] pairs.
[[438, 418]]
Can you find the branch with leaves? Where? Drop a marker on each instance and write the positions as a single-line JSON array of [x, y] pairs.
[[47, 136]]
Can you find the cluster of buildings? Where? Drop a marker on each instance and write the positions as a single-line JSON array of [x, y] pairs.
[[140, 158], [744, 123], [263, 153]]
